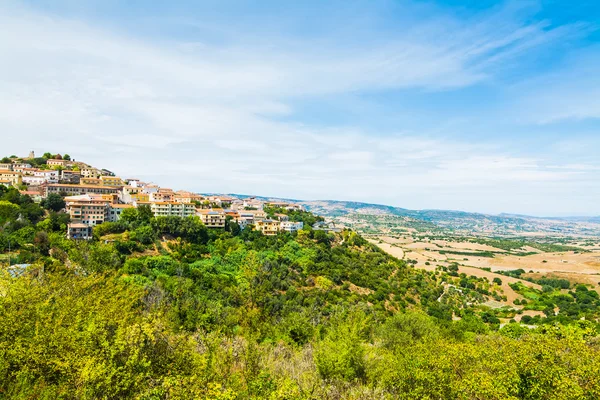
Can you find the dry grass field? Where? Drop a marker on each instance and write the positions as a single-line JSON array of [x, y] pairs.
[[577, 267]]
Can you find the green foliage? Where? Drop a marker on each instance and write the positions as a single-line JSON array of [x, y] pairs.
[[163, 308], [54, 202], [341, 354]]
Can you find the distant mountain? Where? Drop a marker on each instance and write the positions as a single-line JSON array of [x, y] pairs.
[[366, 214]]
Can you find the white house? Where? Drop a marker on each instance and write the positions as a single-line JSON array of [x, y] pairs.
[[50, 176], [290, 226]]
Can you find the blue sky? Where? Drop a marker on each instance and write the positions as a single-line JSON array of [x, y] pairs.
[[481, 105]]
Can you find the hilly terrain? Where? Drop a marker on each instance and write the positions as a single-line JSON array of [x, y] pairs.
[[164, 307], [377, 218]]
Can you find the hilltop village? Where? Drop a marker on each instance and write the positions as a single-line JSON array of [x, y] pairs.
[[94, 195]]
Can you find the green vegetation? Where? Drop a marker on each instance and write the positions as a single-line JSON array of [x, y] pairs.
[[487, 254], [511, 245], [164, 308]]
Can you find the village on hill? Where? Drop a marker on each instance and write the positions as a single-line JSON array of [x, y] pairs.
[[94, 195]]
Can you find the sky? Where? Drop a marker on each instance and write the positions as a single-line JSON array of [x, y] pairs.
[[475, 105]]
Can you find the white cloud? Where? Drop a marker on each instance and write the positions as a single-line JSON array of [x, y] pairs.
[[214, 118]]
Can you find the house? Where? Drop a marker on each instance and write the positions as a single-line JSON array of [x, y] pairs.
[[326, 226], [132, 194], [34, 194], [72, 177], [256, 214], [268, 227], [20, 165], [133, 182], [290, 226], [172, 209], [5, 182], [186, 197], [87, 209], [252, 203], [6, 166], [29, 171], [49, 175], [73, 190], [113, 211], [282, 217], [244, 219], [212, 218], [150, 188], [33, 180], [161, 196], [77, 230], [90, 172], [57, 163], [15, 178], [106, 172]]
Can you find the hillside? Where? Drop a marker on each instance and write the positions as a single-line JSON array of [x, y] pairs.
[[166, 307]]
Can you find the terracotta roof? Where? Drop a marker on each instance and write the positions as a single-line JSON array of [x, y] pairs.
[[78, 225]]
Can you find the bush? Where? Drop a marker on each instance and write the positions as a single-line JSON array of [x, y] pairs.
[[341, 355]]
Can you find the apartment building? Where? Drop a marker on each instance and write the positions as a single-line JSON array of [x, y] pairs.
[[111, 180], [15, 178], [87, 209], [212, 218], [90, 181], [268, 227], [73, 190], [78, 230], [172, 209]]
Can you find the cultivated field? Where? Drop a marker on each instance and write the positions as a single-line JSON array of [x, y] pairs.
[[486, 261]]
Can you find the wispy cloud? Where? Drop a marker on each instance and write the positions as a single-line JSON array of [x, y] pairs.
[[220, 117]]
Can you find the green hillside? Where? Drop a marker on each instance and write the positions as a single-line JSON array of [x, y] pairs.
[[165, 308]]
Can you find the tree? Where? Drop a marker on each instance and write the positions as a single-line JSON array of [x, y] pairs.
[[145, 214], [497, 281], [42, 242], [54, 202], [8, 211], [5, 160], [67, 157], [47, 155]]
